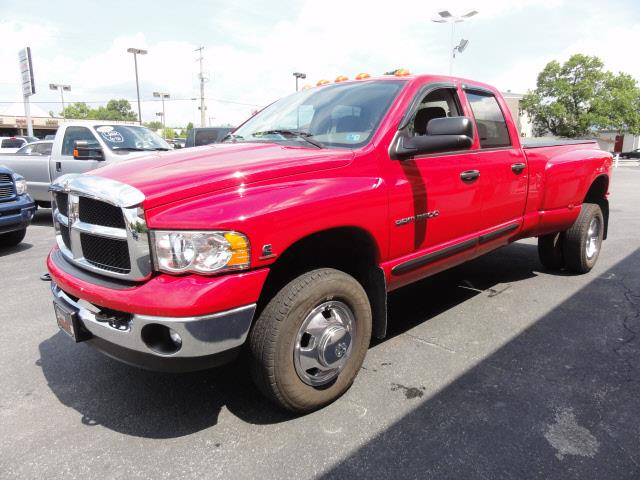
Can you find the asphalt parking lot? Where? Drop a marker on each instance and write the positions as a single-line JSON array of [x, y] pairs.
[[495, 369]]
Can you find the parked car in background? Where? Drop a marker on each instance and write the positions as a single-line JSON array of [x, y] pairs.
[[11, 144], [179, 142], [286, 240], [49, 137], [100, 142], [16, 207], [205, 136], [40, 147], [632, 154], [28, 138]]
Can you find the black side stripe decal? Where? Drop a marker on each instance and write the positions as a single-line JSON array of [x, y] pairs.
[[497, 233], [452, 250]]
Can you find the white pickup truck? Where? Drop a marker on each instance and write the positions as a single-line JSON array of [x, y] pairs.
[[80, 146]]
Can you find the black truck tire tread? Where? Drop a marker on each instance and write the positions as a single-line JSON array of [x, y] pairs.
[[274, 331], [574, 241]]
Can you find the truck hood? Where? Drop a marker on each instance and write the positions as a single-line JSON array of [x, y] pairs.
[[172, 176]]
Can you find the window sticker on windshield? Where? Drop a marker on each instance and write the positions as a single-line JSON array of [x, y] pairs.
[[104, 128], [112, 136], [353, 137]]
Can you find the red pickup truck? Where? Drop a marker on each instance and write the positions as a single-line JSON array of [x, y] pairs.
[[284, 240]]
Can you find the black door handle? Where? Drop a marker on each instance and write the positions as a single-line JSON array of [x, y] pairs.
[[517, 168], [58, 166], [469, 175]]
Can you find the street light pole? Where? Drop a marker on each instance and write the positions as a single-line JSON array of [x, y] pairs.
[[298, 76], [63, 88], [162, 95], [136, 52], [447, 17]]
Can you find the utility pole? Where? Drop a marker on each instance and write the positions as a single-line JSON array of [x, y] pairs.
[[202, 80]]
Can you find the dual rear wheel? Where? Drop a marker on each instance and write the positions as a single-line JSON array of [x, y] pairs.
[[576, 249]]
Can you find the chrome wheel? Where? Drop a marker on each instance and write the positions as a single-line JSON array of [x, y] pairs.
[[324, 343], [592, 244]]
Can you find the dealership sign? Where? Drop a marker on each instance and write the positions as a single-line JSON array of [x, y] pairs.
[[26, 71]]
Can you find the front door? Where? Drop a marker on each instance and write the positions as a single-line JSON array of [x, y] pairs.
[[435, 200], [65, 163]]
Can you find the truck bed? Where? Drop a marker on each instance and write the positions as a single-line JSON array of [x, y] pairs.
[[553, 142]]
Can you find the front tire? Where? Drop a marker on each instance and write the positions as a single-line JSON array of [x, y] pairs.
[[583, 241], [12, 239], [309, 342]]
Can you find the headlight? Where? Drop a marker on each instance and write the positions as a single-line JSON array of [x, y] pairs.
[[21, 186], [200, 252]]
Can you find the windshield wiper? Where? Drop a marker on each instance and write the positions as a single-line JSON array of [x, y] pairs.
[[296, 133], [138, 149]]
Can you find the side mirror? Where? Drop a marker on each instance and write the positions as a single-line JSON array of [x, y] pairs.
[[84, 150], [443, 134]]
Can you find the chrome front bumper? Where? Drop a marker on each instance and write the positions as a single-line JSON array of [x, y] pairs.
[[201, 336]]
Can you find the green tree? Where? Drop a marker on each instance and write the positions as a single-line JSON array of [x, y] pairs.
[[77, 111], [578, 97], [168, 133], [391, 72], [114, 110], [189, 126], [153, 125]]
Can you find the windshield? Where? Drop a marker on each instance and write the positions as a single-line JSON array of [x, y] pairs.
[[130, 137], [338, 115]]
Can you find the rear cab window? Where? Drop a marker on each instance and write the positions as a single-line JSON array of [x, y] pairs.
[[490, 120]]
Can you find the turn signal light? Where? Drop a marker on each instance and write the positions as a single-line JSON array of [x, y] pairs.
[[342, 78], [362, 76], [322, 82], [306, 87], [239, 249], [402, 72]]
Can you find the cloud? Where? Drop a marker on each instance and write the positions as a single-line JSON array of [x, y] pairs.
[[258, 47]]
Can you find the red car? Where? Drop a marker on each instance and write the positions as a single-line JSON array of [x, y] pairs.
[[284, 240]]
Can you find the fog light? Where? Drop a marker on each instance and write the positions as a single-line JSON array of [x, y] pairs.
[[161, 339], [175, 338]]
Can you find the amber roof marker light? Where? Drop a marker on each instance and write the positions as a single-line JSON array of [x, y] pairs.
[[362, 76]]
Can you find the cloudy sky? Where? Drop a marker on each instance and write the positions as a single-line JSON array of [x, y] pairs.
[[252, 48]]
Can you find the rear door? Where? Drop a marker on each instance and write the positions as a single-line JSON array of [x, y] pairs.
[[502, 164], [64, 162]]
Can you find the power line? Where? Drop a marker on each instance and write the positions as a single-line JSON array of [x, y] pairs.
[[220, 100]]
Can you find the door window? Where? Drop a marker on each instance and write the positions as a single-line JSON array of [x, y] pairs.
[[72, 135], [492, 127], [43, 148], [437, 104]]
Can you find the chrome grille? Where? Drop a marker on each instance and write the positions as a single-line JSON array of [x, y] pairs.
[[7, 189], [106, 253], [100, 213], [100, 226]]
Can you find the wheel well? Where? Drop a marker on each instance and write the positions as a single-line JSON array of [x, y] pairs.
[[349, 249], [597, 194]]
